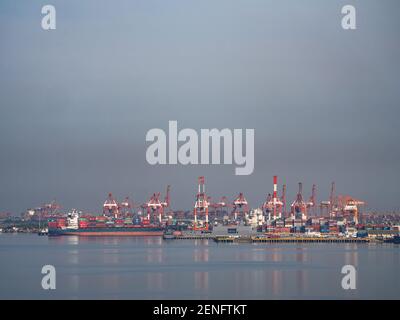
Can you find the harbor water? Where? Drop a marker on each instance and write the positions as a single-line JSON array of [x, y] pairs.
[[153, 268]]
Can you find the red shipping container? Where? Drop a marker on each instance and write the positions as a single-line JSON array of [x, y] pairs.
[[100, 225], [61, 223], [52, 224]]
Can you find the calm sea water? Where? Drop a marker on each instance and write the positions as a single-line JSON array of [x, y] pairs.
[[151, 268]]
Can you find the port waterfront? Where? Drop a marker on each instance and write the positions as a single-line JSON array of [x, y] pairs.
[[266, 239], [254, 238], [153, 268]]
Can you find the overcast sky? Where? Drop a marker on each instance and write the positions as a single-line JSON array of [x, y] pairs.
[[77, 102]]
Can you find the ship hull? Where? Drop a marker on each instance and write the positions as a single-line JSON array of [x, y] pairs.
[[125, 232]]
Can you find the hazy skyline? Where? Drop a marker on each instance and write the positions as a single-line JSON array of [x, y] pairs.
[[77, 102]]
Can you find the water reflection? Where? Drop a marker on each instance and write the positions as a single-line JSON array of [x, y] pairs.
[[73, 256], [70, 240], [301, 273], [151, 240], [111, 256], [245, 255], [154, 255], [201, 278], [155, 281], [111, 284], [277, 273], [73, 284], [351, 255], [200, 254], [110, 240], [148, 268]]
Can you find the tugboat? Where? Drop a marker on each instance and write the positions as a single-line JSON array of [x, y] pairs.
[[394, 239], [168, 235], [43, 232]]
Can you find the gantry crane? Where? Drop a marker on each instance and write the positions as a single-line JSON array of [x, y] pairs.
[[201, 206], [240, 206], [155, 208], [273, 206], [299, 207], [312, 201], [110, 207]]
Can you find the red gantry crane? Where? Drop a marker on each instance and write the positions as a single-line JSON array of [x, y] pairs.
[[201, 205], [240, 206], [223, 205], [350, 207], [273, 205], [167, 200], [328, 207], [332, 202], [312, 201], [299, 207], [155, 208], [127, 207], [283, 199], [110, 207]]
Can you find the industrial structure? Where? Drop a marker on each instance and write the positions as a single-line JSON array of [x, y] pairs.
[[299, 207], [201, 205], [110, 207], [240, 207], [156, 207], [272, 216], [274, 206]]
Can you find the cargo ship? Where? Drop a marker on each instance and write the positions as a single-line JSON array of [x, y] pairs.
[[111, 231], [101, 226]]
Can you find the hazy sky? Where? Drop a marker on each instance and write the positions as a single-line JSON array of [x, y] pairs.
[[77, 102]]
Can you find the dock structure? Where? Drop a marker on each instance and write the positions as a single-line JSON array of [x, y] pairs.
[[289, 240], [258, 239], [195, 237]]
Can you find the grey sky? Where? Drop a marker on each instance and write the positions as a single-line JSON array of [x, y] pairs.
[[76, 102]]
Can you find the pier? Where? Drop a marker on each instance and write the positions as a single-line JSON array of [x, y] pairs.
[[257, 239], [195, 237], [288, 240]]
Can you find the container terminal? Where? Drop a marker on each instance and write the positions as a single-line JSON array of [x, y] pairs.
[[338, 219]]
